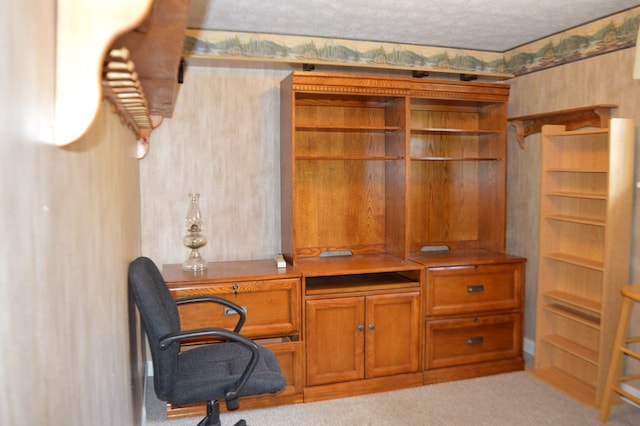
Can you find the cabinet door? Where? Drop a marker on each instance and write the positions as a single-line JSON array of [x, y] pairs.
[[335, 340], [393, 334]]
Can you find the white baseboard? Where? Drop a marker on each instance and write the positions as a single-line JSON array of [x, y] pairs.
[[529, 346]]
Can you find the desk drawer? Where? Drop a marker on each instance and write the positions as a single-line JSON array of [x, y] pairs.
[[273, 306], [470, 289], [474, 339]]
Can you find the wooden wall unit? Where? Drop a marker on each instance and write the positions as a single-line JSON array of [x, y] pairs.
[[393, 223], [585, 222], [383, 177], [375, 164]]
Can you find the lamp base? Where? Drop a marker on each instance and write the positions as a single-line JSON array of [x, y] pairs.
[[194, 262]]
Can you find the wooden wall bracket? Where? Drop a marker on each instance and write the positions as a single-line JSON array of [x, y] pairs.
[[574, 118], [122, 88], [84, 30]]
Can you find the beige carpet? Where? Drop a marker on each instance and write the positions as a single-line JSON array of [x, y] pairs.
[[503, 400]]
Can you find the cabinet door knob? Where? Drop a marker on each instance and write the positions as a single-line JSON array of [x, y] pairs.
[[372, 326], [360, 327]]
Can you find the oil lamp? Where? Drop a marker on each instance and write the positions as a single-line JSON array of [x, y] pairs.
[[194, 238]]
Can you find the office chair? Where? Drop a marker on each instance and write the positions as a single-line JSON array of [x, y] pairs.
[[229, 368]]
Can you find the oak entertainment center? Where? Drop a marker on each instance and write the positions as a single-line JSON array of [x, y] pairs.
[[393, 225]]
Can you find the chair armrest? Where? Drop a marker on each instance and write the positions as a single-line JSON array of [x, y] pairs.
[[171, 338], [231, 396], [241, 312]]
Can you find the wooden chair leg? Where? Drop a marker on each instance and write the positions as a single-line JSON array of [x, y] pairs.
[[617, 358]]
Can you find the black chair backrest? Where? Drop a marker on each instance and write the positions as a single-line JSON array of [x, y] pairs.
[[160, 317]]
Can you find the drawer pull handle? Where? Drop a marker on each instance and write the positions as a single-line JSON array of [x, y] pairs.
[[231, 311], [474, 340], [475, 288]]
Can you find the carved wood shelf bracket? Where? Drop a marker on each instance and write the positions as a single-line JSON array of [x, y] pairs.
[[91, 65], [84, 30], [122, 88], [594, 115]]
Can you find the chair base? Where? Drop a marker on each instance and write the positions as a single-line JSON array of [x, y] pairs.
[[213, 416]]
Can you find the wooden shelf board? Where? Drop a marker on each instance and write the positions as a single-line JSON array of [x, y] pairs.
[[356, 264], [440, 105], [572, 348], [225, 271], [358, 283], [576, 219], [576, 316], [575, 308], [586, 195], [574, 118], [575, 260], [577, 389], [573, 300], [436, 130], [448, 258], [320, 128], [580, 132], [567, 170], [348, 157], [455, 158]]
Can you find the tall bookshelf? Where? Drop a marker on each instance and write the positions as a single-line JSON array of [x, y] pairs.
[[585, 224]]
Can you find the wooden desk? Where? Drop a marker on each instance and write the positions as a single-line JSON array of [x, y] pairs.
[[271, 297]]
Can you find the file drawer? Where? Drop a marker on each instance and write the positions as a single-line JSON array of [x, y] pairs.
[[473, 288], [272, 306], [475, 339]]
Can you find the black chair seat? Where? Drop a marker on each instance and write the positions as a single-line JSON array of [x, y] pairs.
[[222, 360]]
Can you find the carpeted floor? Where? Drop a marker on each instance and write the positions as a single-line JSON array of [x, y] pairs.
[[502, 400]]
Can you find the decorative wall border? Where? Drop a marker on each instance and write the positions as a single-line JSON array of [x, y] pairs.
[[606, 35], [327, 51]]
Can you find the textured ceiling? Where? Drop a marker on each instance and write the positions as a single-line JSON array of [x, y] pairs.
[[492, 25]]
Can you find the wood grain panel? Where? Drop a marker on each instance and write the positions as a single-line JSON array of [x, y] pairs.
[[341, 203]]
